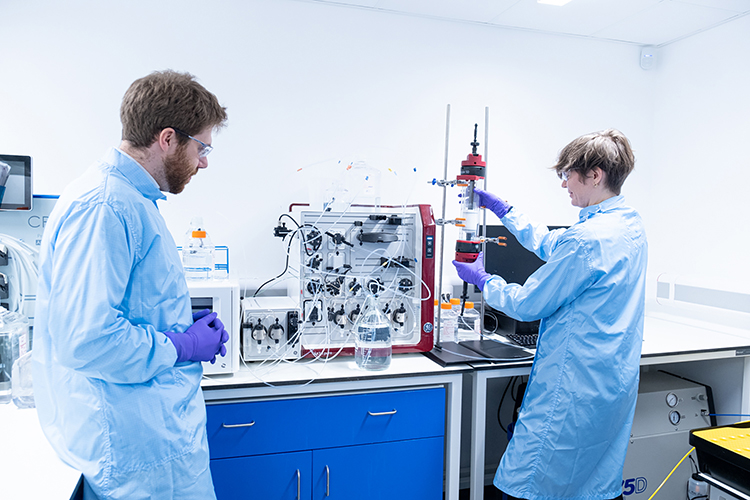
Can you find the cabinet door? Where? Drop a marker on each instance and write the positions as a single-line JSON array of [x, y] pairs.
[[280, 476], [410, 470]]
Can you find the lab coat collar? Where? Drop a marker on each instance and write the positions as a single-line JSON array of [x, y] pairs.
[[606, 205], [135, 173]]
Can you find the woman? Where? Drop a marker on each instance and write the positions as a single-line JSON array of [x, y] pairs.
[[574, 424]]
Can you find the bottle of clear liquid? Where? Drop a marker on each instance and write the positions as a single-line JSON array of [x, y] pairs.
[[456, 306], [469, 324], [197, 252], [5, 366], [22, 386], [14, 343], [447, 323], [372, 341]]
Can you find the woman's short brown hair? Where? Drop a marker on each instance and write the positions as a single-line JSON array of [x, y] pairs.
[[168, 99], [608, 149]]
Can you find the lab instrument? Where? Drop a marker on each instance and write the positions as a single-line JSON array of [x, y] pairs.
[[724, 459], [270, 328], [388, 252], [668, 407], [221, 296], [468, 247]]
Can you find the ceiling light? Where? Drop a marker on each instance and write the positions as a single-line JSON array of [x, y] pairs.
[[559, 3]]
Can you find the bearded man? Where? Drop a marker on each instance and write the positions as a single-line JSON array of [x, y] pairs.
[[117, 350]]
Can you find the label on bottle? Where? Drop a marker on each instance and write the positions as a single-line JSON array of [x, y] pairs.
[[23, 344]]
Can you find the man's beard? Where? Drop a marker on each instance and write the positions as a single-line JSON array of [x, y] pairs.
[[178, 170]]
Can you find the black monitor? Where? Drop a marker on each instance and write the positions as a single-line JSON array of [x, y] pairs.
[[514, 264], [18, 192]]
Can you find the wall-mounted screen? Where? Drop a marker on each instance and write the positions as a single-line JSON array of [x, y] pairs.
[[18, 189]]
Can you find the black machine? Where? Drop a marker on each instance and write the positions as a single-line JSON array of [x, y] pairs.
[[514, 264]]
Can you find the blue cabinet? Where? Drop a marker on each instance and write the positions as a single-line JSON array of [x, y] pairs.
[[371, 445], [278, 476], [403, 469]]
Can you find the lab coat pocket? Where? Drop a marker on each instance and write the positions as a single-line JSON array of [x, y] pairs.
[[150, 423]]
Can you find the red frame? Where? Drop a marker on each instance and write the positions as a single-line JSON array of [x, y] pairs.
[[427, 316]]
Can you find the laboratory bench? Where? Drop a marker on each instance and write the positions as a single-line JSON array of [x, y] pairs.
[[327, 427], [356, 430], [668, 340], [320, 429]]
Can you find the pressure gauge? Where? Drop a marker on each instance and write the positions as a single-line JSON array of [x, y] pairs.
[[672, 400], [674, 417]]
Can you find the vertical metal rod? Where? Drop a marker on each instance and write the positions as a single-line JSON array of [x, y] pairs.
[[439, 291], [484, 212]]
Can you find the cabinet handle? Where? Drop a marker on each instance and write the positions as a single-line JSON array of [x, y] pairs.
[[328, 481], [234, 426], [380, 414], [299, 481]]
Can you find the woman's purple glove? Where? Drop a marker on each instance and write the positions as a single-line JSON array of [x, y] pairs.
[[202, 341], [493, 203], [198, 315], [473, 272]]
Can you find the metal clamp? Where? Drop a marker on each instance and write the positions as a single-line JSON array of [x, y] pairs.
[[380, 414], [234, 426]]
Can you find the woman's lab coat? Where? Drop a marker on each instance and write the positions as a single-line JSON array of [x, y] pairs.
[[574, 424]]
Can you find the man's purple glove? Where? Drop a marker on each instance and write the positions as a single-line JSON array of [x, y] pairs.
[[493, 203], [473, 272], [202, 341]]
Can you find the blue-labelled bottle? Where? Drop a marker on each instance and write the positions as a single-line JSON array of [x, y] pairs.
[[198, 252]]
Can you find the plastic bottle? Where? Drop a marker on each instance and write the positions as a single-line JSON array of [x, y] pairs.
[[372, 341], [447, 323], [5, 366], [22, 386], [14, 343], [197, 252], [469, 324], [456, 306]]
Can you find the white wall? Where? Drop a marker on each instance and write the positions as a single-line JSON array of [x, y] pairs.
[[699, 216], [307, 85]]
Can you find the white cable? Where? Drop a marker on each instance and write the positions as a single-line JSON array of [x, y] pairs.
[[323, 352]]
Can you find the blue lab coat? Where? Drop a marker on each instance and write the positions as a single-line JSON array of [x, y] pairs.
[[574, 424], [109, 396]]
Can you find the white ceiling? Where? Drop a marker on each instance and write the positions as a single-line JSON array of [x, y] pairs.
[[640, 22]]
